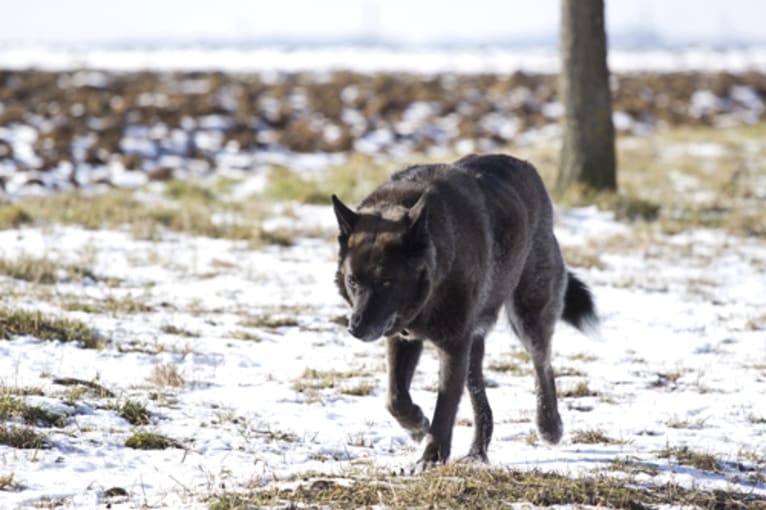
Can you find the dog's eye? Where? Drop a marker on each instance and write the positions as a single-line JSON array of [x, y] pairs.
[[352, 282], [386, 284]]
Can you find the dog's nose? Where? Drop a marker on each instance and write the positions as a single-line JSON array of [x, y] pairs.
[[354, 322]]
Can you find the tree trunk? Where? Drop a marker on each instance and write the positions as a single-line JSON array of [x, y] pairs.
[[587, 155]]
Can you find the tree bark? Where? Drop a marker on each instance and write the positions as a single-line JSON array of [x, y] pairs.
[[588, 154]]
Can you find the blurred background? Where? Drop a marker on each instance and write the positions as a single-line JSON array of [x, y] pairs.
[[92, 94], [650, 23]]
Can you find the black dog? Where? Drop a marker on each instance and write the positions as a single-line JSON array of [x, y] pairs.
[[433, 254]]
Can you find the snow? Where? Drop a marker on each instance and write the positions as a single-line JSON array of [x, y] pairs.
[[276, 59], [678, 365]]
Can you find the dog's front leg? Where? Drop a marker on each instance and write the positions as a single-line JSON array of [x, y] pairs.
[[453, 366], [403, 356]]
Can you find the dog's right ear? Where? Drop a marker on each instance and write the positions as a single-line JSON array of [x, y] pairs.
[[346, 217]]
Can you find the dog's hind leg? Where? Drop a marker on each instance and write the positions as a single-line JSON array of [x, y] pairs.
[[482, 412], [548, 419], [534, 324], [403, 356]]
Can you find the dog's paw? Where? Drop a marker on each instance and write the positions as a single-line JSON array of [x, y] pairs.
[[435, 452], [422, 466], [474, 458], [550, 427], [417, 434]]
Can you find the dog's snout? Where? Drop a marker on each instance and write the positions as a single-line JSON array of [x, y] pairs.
[[354, 321], [354, 324]]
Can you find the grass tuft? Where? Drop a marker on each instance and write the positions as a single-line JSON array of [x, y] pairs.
[[134, 413], [360, 389], [22, 437], [13, 216], [242, 334], [270, 322], [43, 270], [166, 374], [111, 305], [175, 330], [592, 437], [11, 408], [688, 457], [7, 484], [15, 323], [30, 269], [96, 389], [189, 191], [352, 181], [144, 440], [312, 381], [510, 367], [22, 391], [580, 390]]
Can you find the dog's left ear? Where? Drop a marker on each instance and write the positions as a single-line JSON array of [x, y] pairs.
[[417, 234], [346, 217]]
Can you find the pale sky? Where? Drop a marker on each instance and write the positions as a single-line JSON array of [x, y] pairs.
[[404, 21]]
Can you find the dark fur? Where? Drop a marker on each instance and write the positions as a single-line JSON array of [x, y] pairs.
[[433, 254]]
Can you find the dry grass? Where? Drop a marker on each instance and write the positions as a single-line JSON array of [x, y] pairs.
[[175, 330], [510, 367], [144, 440], [110, 305], [664, 179], [455, 486], [146, 220], [31, 269], [592, 437], [352, 181], [270, 321], [8, 484], [757, 323], [360, 389], [242, 334], [197, 208], [313, 381], [189, 191], [22, 437], [13, 216], [580, 390], [21, 391], [687, 457], [134, 413], [166, 374], [43, 270], [95, 389], [22, 323], [13, 408]]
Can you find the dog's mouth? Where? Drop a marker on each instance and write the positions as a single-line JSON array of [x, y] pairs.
[[391, 326], [398, 329], [388, 328]]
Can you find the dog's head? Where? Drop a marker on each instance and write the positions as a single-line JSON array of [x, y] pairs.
[[385, 267]]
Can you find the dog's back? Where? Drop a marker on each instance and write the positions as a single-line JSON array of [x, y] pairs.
[[490, 218]]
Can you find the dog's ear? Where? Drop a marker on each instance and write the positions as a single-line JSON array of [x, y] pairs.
[[417, 234], [346, 217]]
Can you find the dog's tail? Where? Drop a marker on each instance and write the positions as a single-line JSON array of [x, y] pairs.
[[579, 308]]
